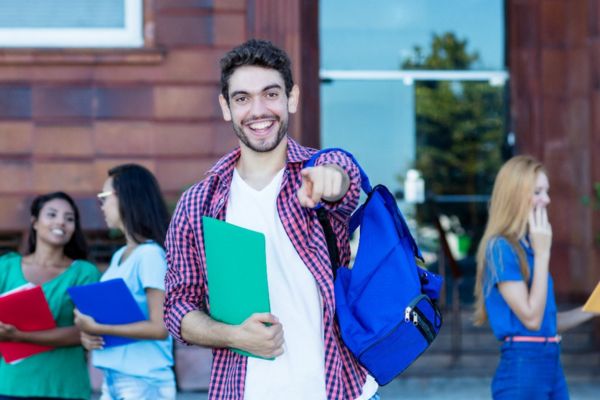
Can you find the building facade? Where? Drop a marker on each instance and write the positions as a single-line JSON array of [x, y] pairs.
[[69, 114]]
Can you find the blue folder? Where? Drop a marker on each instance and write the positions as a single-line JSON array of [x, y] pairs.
[[108, 302]]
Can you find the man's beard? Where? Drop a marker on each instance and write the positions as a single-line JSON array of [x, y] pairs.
[[262, 147]]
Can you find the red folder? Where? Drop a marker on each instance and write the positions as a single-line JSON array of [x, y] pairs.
[[28, 311]]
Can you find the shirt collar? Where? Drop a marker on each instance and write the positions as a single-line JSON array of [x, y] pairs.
[[224, 167]]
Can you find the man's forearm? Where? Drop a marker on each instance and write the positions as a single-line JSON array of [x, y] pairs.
[[199, 328]]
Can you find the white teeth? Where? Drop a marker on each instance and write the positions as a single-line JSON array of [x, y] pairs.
[[261, 125], [58, 231]]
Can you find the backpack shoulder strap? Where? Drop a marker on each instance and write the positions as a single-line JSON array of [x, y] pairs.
[[331, 239]]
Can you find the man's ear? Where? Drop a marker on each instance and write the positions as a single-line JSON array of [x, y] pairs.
[[224, 108], [293, 99]]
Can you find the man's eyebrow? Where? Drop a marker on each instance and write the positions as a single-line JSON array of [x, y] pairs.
[[273, 86], [238, 92], [269, 87]]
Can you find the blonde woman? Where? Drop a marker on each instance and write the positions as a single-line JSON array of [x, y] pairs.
[[514, 289]]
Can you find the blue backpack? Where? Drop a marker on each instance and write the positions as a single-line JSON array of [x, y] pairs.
[[386, 304]]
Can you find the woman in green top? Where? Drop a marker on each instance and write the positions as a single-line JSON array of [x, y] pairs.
[[55, 261]]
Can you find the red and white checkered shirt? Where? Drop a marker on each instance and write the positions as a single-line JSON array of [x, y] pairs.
[[186, 286]]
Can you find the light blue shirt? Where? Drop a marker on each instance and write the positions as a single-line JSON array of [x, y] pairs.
[[502, 264], [145, 268]]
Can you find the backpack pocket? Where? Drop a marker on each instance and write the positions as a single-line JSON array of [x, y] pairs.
[[395, 350]]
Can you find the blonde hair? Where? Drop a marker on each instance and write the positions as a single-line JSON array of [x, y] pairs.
[[509, 209]]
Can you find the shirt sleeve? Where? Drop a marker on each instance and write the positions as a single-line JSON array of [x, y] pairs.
[[183, 280], [503, 262], [346, 205], [152, 267], [92, 274], [5, 263]]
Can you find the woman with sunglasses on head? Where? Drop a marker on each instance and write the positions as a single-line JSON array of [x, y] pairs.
[[132, 202], [514, 289], [55, 261]]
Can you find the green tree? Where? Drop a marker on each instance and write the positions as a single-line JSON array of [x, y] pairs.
[[460, 129]]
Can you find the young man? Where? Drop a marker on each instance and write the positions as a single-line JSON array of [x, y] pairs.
[[262, 186]]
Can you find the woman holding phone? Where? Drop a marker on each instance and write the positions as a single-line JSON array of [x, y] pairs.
[[514, 289]]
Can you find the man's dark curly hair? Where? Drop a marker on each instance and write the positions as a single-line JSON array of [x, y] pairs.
[[255, 52]]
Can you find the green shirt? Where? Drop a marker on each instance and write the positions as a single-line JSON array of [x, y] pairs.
[[61, 372]]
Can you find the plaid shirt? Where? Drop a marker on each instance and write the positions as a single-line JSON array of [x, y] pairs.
[[186, 286]]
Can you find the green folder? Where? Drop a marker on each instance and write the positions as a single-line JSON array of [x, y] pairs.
[[236, 267]]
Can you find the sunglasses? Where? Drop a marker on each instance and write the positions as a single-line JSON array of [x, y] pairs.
[[102, 196]]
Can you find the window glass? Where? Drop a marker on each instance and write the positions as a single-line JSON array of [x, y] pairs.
[[362, 35], [421, 85], [62, 13]]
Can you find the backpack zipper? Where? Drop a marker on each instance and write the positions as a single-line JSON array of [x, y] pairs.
[[425, 325], [421, 324], [418, 319]]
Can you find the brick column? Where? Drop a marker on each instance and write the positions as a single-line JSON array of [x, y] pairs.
[[553, 55], [294, 26]]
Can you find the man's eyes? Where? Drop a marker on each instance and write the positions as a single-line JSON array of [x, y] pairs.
[[245, 99]]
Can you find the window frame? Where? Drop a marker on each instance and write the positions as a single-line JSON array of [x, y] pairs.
[[131, 36]]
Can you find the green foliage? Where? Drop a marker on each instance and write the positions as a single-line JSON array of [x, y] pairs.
[[459, 124], [460, 127], [447, 52], [594, 201]]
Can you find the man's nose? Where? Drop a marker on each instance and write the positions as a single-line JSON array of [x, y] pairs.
[[258, 106]]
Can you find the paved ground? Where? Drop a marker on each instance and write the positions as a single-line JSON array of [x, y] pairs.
[[447, 389]]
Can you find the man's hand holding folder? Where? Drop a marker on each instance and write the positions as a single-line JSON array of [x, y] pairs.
[[261, 335]]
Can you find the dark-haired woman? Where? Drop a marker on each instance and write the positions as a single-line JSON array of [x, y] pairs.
[[54, 261], [132, 202]]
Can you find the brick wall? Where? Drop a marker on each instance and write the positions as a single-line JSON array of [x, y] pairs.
[[66, 116], [554, 60]]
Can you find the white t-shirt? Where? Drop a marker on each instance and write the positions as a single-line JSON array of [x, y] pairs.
[[295, 299]]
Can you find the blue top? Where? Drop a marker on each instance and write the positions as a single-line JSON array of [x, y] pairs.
[[502, 265], [145, 268]]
